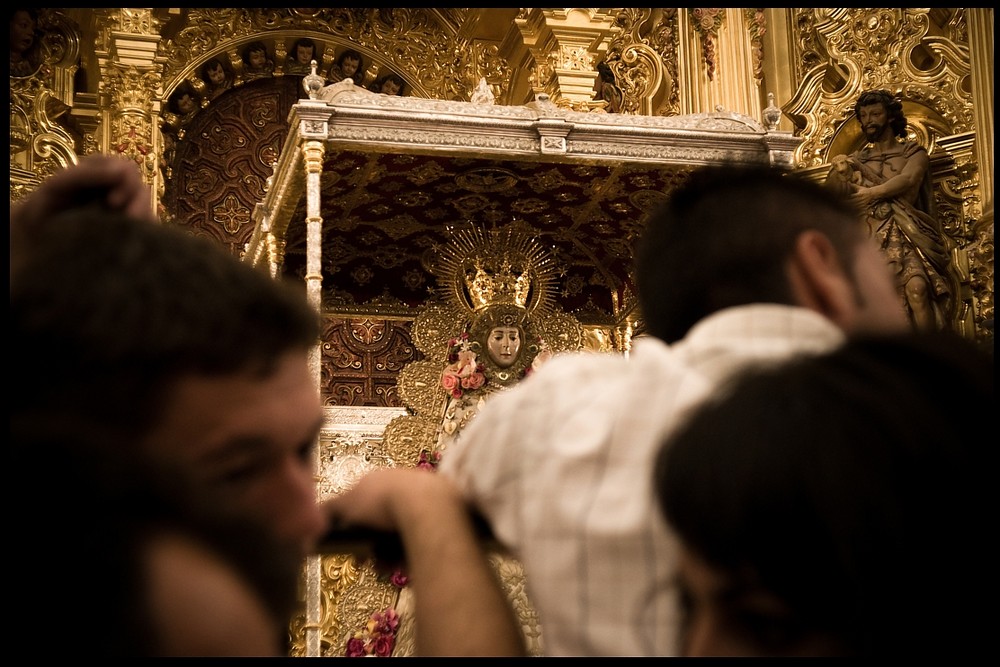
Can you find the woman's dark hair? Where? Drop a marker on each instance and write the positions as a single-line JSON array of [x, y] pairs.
[[851, 485]]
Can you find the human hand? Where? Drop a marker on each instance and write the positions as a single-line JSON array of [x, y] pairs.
[[115, 182], [386, 498], [370, 519]]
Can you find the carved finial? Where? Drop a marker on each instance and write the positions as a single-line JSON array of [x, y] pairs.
[[313, 82], [482, 94], [544, 103], [772, 114], [270, 179]]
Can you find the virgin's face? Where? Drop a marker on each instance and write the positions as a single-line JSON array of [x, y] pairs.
[[503, 345]]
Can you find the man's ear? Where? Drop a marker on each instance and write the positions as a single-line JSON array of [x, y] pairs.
[[819, 279]]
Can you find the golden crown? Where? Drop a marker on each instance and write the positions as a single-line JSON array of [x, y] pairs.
[[497, 283], [478, 269]]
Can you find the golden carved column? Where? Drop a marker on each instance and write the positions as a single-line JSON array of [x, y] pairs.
[[131, 77], [779, 49], [566, 44], [980, 25], [716, 62], [312, 152]]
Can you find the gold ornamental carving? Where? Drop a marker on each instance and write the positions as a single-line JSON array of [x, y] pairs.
[[895, 41], [419, 386], [500, 279], [391, 39]]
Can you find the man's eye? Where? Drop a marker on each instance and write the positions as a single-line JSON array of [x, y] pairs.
[[773, 634], [242, 472], [305, 452]]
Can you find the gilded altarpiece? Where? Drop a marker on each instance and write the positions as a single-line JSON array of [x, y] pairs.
[[783, 79]]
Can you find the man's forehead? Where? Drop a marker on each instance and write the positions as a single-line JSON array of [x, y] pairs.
[[203, 413]]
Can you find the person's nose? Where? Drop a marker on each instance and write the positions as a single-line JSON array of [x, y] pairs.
[[301, 517]]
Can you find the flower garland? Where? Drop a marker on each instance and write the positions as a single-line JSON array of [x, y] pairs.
[[464, 373], [378, 638], [428, 460]]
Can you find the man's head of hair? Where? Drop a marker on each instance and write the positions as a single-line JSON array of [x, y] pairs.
[[723, 239], [893, 109], [113, 312]]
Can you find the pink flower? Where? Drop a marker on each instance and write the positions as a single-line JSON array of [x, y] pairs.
[[385, 622], [427, 460], [399, 579], [383, 645], [356, 648], [464, 370], [379, 635], [474, 381], [450, 382]]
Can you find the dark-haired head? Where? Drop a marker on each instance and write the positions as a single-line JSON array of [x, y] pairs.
[[851, 489], [724, 238], [118, 310], [893, 109]]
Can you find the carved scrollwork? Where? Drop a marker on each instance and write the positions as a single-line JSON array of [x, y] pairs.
[[435, 325], [407, 435], [420, 387]]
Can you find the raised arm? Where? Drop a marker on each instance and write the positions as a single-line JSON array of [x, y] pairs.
[[115, 180], [460, 607]]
